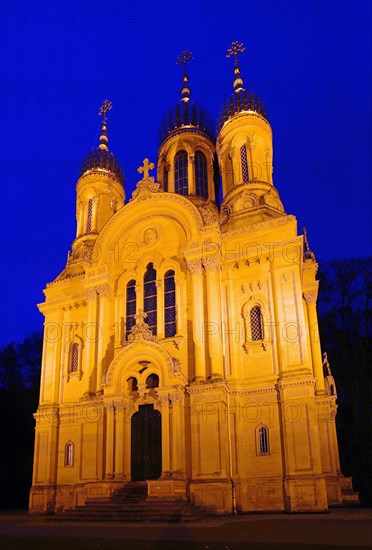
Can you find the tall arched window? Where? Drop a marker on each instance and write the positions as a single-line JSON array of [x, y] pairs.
[[244, 163], [149, 301], [90, 216], [263, 441], [69, 454], [201, 174], [256, 323], [74, 359], [165, 178], [131, 307], [169, 304], [181, 180]]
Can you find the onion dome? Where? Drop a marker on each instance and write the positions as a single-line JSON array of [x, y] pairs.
[[186, 115], [241, 100], [101, 158]]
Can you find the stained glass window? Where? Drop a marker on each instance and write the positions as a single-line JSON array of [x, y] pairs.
[[170, 328], [263, 441], [150, 302], [74, 365], [181, 180], [90, 215], [131, 307], [244, 162], [256, 323], [69, 454], [201, 174]]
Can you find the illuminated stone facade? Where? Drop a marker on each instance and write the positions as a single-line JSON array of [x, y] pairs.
[[181, 344]]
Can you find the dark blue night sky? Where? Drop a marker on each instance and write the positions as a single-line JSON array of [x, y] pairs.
[[310, 61]]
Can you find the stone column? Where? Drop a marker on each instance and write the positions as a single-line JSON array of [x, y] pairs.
[[119, 440], [311, 297], [79, 219], [191, 174], [214, 316], [95, 214], [160, 308], [103, 340], [195, 268], [163, 402], [129, 409], [178, 436], [110, 422], [91, 340]]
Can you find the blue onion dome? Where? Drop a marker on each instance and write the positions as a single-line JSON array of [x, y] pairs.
[[101, 158], [187, 116], [241, 100]]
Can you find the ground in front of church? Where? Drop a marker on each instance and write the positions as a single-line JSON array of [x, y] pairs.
[[340, 529]]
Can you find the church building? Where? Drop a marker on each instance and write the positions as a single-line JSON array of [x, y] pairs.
[[181, 346]]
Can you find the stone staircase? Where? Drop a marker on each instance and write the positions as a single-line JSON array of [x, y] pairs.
[[349, 496], [132, 503]]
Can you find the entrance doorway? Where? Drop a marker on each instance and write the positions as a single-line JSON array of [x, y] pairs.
[[146, 443]]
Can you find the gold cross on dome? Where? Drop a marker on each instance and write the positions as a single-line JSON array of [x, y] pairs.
[[235, 48], [184, 58], [147, 166], [106, 106]]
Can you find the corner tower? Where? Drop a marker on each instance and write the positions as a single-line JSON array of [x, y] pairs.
[[186, 159], [245, 153], [99, 190]]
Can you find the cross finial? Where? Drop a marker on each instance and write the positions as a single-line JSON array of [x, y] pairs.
[[235, 48], [147, 166], [183, 59], [106, 106]]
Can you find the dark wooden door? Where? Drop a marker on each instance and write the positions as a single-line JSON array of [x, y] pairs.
[[146, 443]]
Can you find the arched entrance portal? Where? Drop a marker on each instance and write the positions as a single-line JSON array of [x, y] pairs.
[[146, 443]]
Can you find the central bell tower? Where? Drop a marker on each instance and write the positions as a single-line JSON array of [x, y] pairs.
[[186, 162]]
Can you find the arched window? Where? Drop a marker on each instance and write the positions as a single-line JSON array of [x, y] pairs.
[[165, 178], [74, 359], [201, 174], [152, 381], [256, 323], [69, 454], [181, 180], [150, 304], [90, 215], [244, 163], [131, 307], [263, 441], [132, 384], [170, 328]]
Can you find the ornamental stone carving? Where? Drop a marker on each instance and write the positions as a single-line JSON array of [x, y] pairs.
[[140, 331], [311, 296], [209, 213], [211, 263], [194, 266]]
